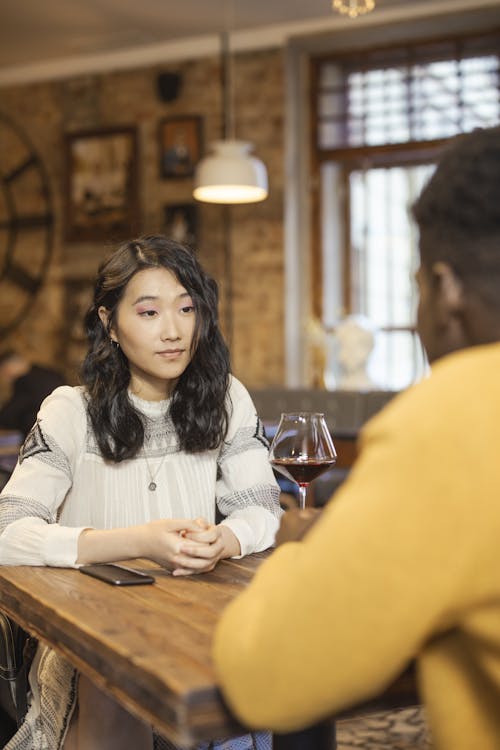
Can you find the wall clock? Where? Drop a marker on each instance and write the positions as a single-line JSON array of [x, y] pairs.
[[26, 224]]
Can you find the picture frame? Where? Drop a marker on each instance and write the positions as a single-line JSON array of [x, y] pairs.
[[180, 145], [102, 200], [180, 223]]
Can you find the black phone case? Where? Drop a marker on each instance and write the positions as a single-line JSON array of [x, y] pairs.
[[116, 575]]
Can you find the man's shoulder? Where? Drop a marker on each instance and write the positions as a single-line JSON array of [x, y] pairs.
[[457, 384], [462, 374]]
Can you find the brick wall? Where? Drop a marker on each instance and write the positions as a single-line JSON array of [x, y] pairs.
[[47, 111]]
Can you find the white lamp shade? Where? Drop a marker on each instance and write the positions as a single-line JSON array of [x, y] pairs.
[[230, 175]]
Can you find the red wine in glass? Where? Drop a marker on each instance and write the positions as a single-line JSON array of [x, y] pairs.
[[302, 449], [302, 472]]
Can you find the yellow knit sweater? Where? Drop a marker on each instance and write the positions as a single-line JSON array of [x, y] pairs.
[[404, 564]]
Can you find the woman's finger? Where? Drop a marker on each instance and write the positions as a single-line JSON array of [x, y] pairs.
[[183, 572], [194, 564], [182, 524], [203, 551], [202, 523], [207, 537]]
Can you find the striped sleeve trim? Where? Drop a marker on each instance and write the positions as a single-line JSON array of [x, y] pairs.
[[12, 508], [264, 496]]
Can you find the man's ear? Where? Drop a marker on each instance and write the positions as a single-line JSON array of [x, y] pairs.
[[448, 286], [103, 313]]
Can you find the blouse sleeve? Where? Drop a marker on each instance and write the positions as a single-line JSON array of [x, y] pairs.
[[31, 500], [247, 492]]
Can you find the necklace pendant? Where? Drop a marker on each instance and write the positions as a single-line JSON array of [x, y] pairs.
[[152, 486]]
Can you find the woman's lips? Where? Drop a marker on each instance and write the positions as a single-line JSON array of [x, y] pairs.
[[171, 353]]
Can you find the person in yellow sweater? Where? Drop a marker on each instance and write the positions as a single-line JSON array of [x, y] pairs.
[[404, 562]]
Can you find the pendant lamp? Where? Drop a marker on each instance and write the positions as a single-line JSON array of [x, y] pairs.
[[229, 174]]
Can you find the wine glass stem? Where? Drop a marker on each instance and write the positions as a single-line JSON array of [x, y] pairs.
[[302, 495]]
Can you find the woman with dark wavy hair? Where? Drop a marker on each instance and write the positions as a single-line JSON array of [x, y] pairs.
[[158, 444]]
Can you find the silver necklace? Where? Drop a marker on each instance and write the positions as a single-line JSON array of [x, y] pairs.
[[152, 484]]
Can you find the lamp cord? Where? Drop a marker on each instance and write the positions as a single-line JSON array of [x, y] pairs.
[[227, 133], [228, 275], [226, 84]]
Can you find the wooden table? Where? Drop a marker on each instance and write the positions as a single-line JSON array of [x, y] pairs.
[[149, 646]]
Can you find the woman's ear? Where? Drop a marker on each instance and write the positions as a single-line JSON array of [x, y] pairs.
[[103, 313]]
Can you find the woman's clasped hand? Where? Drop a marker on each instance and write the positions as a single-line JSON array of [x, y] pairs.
[[188, 547], [183, 546]]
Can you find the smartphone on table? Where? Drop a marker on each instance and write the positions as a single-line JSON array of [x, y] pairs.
[[116, 575]]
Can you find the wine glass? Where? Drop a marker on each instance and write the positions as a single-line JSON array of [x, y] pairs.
[[302, 449]]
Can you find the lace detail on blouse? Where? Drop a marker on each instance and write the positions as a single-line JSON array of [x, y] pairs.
[[13, 507], [40, 444], [160, 437], [245, 439], [264, 495]]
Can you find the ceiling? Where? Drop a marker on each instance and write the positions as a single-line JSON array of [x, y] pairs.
[[37, 32], [34, 30]]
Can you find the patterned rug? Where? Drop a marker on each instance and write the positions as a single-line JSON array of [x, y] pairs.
[[404, 729]]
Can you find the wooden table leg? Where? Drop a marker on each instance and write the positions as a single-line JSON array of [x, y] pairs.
[[318, 737]]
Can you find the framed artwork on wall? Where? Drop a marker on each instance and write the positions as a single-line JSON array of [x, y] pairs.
[[101, 191], [180, 146], [181, 223]]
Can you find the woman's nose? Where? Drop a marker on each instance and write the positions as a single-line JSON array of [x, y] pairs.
[[169, 328]]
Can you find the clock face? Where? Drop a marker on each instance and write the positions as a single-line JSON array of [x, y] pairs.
[[26, 224]]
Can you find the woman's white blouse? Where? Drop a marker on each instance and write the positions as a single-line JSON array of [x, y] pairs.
[[62, 485]]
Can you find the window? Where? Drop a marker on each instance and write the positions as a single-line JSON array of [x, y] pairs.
[[381, 119]]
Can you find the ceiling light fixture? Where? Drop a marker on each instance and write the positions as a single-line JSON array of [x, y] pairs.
[[353, 8], [230, 174]]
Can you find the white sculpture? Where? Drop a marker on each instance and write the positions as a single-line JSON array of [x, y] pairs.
[[355, 338]]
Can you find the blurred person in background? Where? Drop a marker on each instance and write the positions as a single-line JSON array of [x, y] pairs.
[[27, 384]]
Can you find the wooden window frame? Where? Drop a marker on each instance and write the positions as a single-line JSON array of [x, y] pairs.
[[388, 155]]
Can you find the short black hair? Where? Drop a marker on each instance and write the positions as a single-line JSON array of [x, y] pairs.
[[458, 211]]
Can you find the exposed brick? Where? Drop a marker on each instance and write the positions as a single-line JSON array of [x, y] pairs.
[[47, 111]]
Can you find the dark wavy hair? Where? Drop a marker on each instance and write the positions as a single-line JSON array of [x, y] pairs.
[[458, 212], [198, 403]]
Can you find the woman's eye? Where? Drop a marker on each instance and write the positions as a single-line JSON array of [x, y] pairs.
[[187, 309], [147, 313]]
